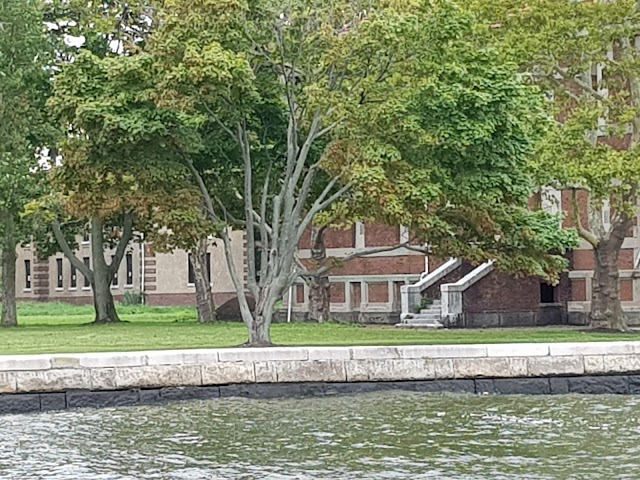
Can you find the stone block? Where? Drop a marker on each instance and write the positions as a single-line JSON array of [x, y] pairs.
[[108, 359], [189, 393], [116, 398], [601, 385], [518, 319], [443, 351], [262, 354], [181, 357], [482, 320], [265, 372], [67, 361], [522, 386], [549, 366], [329, 353], [10, 363], [374, 353], [634, 384], [443, 368], [8, 382], [594, 348], [494, 367], [518, 350], [148, 396], [340, 388], [278, 390], [621, 363], [53, 401], [484, 386], [53, 380], [311, 371], [158, 376], [593, 364], [389, 370], [224, 373], [103, 378], [21, 403], [559, 385]]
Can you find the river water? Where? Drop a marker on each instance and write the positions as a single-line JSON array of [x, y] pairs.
[[391, 435]]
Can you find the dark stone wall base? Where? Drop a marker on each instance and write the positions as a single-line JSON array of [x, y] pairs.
[[582, 318], [363, 318], [606, 384]]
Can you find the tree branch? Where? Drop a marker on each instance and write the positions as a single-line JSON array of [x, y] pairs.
[[127, 235], [583, 232], [580, 84], [66, 249]]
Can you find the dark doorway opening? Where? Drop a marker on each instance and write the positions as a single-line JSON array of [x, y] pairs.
[[547, 293]]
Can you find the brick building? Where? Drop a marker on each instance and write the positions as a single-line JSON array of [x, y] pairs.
[[384, 287]]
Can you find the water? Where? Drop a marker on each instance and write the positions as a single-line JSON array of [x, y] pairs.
[[392, 435]]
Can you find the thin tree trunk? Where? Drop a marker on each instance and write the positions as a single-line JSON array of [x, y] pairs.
[[260, 328], [606, 307], [9, 313], [204, 298], [319, 286], [103, 302]]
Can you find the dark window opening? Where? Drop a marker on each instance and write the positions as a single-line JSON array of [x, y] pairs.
[[129, 269], [547, 293], [114, 282], [87, 281], [60, 281], [74, 276], [27, 274]]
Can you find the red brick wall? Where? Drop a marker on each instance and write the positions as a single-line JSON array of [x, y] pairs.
[[378, 292], [567, 207], [405, 265], [626, 290], [337, 293], [356, 295], [340, 238], [381, 235], [434, 290], [584, 259], [578, 289], [503, 292]]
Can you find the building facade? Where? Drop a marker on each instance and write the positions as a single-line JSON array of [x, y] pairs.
[[364, 290]]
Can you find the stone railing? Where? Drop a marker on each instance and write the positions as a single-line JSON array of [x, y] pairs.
[[411, 295], [452, 294]]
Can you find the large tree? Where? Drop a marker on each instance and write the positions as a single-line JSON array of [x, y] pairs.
[[23, 130], [392, 109], [587, 57]]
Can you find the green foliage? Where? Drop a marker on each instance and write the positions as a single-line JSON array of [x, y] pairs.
[[585, 54], [134, 298]]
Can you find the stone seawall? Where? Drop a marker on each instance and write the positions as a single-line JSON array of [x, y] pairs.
[[54, 381]]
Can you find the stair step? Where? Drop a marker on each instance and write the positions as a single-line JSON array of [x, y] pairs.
[[410, 323], [427, 311], [426, 316]]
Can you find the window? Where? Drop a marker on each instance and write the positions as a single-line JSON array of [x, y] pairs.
[[74, 276], [547, 293], [114, 282], [27, 274], [129, 269], [85, 237], [192, 273], [87, 262], [59, 274]]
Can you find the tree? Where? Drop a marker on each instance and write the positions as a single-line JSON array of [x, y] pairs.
[[202, 280], [400, 98], [23, 92], [586, 55]]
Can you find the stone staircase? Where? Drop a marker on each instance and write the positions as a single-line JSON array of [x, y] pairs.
[[427, 318]]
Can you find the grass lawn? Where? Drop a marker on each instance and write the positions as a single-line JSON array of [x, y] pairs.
[[60, 328]]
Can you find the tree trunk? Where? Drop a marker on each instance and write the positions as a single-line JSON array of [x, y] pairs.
[[9, 313], [319, 286], [260, 330], [606, 308], [204, 297], [103, 303]]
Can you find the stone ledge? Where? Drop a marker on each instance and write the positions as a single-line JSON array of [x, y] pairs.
[[33, 402], [237, 366]]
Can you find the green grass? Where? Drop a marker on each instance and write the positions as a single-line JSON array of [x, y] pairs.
[[60, 328]]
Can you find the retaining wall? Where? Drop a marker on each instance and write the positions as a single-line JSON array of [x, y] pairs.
[[50, 381]]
